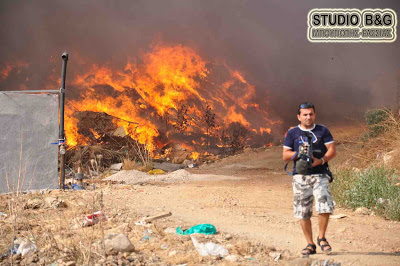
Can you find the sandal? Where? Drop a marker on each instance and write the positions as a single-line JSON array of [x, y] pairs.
[[309, 250], [323, 246]]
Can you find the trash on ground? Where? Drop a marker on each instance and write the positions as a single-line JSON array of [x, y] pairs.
[[77, 187], [94, 218], [11, 250], [3, 216], [156, 172], [25, 247], [209, 249], [146, 220], [146, 235], [192, 165], [207, 229]]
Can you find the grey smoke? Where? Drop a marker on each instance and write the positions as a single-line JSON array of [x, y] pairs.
[[264, 39]]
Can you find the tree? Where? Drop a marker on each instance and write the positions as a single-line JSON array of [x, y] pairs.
[[209, 119], [181, 122]]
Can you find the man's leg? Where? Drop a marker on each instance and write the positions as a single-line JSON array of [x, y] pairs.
[[324, 206], [323, 219], [307, 230], [303, 203]]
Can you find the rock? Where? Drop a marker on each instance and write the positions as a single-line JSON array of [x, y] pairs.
[[179, 157], [187, 162], [338, 216], [70, 263], [362, 210], [172, 253], [54, 202], [275, 255], [300, 262], [118, 242], [232, 258], [34, 204], [229, 246], [164, 246], [168, 167], [116, 166], [286, 255], [228, 237]]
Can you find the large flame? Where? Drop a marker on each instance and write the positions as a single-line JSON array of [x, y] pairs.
[[167, 82], [168, 78]]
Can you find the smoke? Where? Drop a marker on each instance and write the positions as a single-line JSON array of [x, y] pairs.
[[266, 40]]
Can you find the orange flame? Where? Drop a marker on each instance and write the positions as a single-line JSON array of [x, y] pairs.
[[169, 77]]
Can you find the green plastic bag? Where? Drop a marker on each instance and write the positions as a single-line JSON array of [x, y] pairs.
[[207, 229]]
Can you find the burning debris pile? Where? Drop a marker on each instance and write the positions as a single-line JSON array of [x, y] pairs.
[[170, 98]]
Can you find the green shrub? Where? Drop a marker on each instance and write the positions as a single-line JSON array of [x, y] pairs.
[[343, 181], [373, 188], [374, 119]]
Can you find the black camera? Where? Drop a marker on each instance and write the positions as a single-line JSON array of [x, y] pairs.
[[303, 164]]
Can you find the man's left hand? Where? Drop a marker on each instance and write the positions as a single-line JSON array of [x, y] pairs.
[[316, 162]]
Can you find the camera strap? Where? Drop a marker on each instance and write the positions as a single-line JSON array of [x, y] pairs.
[[286, 165]]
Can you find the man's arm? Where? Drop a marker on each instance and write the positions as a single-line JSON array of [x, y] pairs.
[[329, 155], [288, 154]]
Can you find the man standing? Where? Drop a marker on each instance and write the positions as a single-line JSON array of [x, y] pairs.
[[315, 182]]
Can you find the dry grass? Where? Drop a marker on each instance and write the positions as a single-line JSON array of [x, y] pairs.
[[130, 165], [60, 238], [364, 150], [378, 146]]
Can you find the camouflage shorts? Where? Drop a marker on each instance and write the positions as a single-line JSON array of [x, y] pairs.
[[308, 187]]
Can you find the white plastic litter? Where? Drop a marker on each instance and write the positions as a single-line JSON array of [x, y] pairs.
[[209, 249], [2, 214], [26, 247]]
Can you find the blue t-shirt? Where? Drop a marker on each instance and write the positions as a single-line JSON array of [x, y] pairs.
[[321, 136]]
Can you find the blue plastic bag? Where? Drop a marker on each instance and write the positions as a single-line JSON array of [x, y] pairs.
[[207, 229]]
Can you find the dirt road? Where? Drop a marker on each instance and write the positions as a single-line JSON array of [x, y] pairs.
[[259, 207]]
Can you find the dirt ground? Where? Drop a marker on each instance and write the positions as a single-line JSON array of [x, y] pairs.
[[254, 208], [259, 208]]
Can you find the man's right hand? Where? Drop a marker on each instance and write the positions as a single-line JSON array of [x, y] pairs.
[[288, 154]]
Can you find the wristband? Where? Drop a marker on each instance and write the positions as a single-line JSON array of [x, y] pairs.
[[323, 161]]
